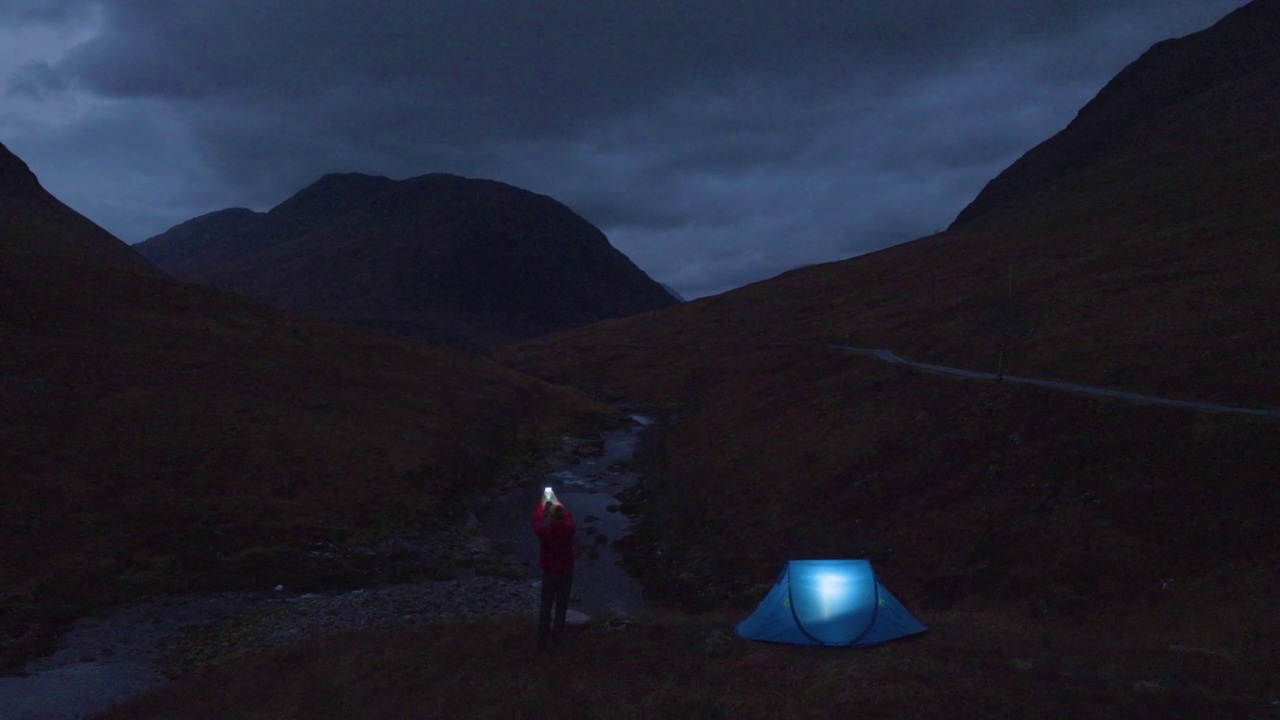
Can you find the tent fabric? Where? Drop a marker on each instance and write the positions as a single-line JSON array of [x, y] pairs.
[[829, 603]]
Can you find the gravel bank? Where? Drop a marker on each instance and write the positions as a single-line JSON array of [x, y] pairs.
[[482, 569], [287, 621]]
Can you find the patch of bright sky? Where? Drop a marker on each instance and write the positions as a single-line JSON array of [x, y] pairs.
[[25, 45]]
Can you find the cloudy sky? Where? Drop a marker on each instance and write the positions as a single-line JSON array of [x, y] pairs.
[[716, 142]]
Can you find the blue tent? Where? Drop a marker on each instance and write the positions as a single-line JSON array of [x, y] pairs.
[[829, 602]]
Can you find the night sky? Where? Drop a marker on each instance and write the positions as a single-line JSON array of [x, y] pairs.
[[716, 143]]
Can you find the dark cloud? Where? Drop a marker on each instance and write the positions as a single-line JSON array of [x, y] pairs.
[[715, 142], [523, 70], [36, 80], [24, 12]]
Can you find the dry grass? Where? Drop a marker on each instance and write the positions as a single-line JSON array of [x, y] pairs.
[[162, 437], [1074, 557], [1153, 270], [970, 664]]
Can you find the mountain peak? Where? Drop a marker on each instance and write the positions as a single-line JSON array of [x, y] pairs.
[[16, 178], [453, 260], [36, 227], [334, 192], [348, 182], [351, 179], [1169, 73]]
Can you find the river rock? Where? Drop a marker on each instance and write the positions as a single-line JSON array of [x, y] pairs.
[[590, 448]]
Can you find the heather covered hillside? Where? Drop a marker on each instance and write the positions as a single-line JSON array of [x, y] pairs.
[[1148, 263], [1070, 554], [160, 436]]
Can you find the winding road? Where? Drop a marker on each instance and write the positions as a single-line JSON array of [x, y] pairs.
[[889, 357]]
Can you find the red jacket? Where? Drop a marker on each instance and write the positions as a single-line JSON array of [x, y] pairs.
[[556, 540]]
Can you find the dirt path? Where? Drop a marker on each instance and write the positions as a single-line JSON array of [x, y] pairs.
[[889, 357]]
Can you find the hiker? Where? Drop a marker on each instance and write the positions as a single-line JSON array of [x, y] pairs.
[[554, 527]]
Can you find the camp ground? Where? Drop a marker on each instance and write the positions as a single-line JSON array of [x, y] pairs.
[[829, 603]]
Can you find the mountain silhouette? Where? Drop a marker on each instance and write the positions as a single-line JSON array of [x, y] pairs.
[[34, 224], [1240, 47], [438, 257]]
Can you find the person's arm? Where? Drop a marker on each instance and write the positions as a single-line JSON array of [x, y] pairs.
[[539, 521]]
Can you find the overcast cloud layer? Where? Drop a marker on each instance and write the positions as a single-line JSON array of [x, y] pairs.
[[715, 142]]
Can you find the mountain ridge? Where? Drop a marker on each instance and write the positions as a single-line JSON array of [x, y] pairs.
[[1160, 78], [440, 257], [33, 223]]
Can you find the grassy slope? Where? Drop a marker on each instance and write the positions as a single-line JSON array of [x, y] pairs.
[[1152, 270], [968, 665], [158, 437], [1074, 557]]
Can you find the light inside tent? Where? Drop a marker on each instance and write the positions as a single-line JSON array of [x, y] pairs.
[[832, 598], [833, 593]]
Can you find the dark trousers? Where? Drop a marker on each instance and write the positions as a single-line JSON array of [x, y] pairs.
[[555, 591]]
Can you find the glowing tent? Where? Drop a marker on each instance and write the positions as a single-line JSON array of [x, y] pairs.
[[829, 602]]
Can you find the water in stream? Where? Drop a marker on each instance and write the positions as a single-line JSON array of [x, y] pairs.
[[587, 488], [116, 655], [110, 657]]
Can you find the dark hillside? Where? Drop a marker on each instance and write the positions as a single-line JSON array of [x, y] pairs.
[[1151, 266], [229, 230], [1170, 73], [157, 436], [1072, 556], [34, 224]]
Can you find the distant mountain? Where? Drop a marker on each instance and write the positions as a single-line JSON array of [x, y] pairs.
[[446, 259], [672, 292]]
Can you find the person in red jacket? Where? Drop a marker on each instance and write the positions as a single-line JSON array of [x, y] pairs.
[[554, 527]]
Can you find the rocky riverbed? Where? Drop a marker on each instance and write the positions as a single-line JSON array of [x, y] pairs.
[[588, 487], [121, 653], [486, 568], [282, 623]]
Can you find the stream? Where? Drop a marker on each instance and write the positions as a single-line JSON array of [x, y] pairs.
[[110, 657], [587, 489], [118, 654]]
